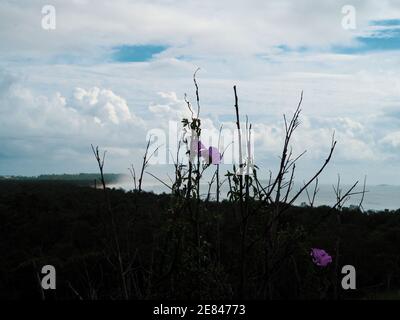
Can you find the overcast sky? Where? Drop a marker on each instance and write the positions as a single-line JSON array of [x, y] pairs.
[[111, 71]]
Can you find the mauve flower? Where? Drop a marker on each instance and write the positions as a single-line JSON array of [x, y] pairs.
[[211, 155], [196, 146], [320, 257]]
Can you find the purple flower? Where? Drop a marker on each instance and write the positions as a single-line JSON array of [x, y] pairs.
[[196, 146], [320, 257], [211, 155]]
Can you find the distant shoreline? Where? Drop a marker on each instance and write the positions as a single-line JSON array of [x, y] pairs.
[[378, 198]]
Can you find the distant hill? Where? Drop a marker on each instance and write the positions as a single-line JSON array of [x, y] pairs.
[[110, 177]]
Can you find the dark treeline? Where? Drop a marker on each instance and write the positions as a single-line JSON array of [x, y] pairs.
[[67, 226], [85, 178]]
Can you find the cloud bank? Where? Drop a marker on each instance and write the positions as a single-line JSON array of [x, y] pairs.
[[64, 89]]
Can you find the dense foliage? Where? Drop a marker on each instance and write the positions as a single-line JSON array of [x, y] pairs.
[[67, 225]]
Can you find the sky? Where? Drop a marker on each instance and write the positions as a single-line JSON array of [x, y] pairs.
[[110, 72]]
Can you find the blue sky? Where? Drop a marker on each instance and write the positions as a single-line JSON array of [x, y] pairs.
[[385, 39], [136, 53], [113, 71]]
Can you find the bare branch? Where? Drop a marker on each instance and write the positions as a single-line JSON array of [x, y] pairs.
[[133, 174], [197, 92], [363, 194], [159, 180], [317, 174]]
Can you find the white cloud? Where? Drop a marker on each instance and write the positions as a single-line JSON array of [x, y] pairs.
[[58, 109], [189, 27], [170, 107], [316, 138], [104, 105], [43, 129], [392, 139]]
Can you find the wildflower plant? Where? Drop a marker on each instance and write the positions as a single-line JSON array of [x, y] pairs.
[[190, 248], [320, 257]]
